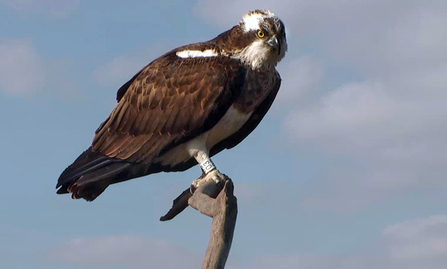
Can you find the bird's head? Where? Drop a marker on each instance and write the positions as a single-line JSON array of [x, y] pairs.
[[264, 37]]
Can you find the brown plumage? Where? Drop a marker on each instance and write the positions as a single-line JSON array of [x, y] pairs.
[[170, 102]]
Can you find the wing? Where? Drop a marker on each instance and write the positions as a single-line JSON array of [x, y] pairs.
[[252, 122], [170, 101]]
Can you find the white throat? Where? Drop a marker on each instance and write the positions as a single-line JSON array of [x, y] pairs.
[[257, 55]]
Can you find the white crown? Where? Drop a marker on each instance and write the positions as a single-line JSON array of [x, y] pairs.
[[252, 19]]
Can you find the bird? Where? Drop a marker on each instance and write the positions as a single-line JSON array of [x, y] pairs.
[[185, 107]]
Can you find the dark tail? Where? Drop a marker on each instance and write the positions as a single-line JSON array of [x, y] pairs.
[[92, 172], [89, 175]]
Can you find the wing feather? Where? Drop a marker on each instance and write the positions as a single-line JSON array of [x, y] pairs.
[[170, 101], [252, 122]]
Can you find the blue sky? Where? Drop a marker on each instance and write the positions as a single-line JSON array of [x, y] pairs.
[[346, 171]]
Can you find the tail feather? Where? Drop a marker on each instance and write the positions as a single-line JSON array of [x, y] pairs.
[[86, 162], [92, 172], [103, 173], [89, 175]]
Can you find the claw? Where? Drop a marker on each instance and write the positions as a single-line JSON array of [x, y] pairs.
[[213, 175]]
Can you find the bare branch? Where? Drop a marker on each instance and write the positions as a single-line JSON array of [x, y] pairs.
[[178, 205], [218, 202], [223, 210]]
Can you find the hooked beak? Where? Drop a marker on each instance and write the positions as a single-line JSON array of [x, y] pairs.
[[273, 42]]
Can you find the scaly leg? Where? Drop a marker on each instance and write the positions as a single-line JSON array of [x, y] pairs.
[[198, 150]]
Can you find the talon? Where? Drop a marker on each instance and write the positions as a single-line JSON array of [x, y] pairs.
[[213, 175], [218, 177], [192, 188], [196, 183], [217, 180]]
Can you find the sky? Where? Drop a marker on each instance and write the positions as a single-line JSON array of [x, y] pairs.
[[346, 171]]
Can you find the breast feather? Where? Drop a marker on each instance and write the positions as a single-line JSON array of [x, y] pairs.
[[231, 122]]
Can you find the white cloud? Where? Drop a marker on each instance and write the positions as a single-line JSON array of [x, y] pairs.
[[24, 73], [22, 70], [300, 80], [53, 8], [392, 130], [414, 244], [420, 242], [120, 69], [234, 10], [124, 251], [307, 261], [359, 106]]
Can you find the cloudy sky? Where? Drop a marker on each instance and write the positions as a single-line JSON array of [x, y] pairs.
[[347, 170]]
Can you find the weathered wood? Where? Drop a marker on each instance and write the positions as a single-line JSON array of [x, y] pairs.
[[218, 202], [223, 210], [178, 205]]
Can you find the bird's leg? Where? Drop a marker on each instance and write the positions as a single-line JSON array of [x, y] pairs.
[[213, 175], [198, 150], [210, 171]]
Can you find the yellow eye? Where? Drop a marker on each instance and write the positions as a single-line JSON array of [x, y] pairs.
[[261, 34]]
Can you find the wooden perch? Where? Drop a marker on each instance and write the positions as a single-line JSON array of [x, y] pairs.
[[220, 204]]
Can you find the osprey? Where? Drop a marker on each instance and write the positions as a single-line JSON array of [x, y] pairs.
[[185, 107]]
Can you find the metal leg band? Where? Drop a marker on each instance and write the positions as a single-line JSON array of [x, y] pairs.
[[207, 166]]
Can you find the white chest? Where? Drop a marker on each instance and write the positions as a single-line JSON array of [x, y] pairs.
[[199, 147], [231, 122]]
